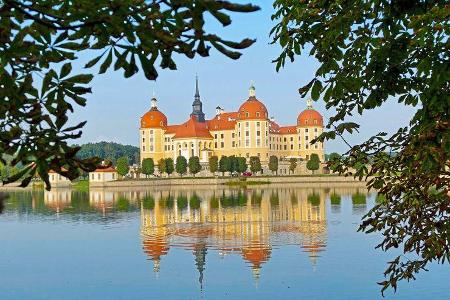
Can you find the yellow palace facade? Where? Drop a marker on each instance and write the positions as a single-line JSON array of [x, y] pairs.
[[246, 132]]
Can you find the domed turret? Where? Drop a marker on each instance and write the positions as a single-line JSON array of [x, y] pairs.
[[252, 109], [153, 118], [309, 117]]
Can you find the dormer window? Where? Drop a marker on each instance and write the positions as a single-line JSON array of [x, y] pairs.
[[161, 123], [257, 114], [315, 121], [247, 114]]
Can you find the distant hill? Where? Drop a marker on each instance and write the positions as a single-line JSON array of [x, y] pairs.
[[109, 150]]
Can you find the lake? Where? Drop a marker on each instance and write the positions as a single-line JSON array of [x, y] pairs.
[[260, 242]]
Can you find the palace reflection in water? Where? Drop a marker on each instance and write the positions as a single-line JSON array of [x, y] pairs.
[[244, 222], [249, 223]]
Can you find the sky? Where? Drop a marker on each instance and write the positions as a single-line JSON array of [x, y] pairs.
[[114, 108]]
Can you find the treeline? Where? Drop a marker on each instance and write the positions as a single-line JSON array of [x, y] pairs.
[[110, 151]]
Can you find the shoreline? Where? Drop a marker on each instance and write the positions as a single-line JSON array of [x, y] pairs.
[[317, 180]]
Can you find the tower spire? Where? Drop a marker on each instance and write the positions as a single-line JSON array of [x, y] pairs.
[[197, 93], [197, 111], [252, 90]]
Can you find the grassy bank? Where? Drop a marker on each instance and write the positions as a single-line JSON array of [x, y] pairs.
[[81, 185], [244, 182]]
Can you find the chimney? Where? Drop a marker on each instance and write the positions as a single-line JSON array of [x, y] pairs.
[[219, 110]]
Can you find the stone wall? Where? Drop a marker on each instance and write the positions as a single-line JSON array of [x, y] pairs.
[[214, 181]]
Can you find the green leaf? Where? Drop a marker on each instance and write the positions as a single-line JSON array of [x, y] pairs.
[[105, 65], [65, 70]]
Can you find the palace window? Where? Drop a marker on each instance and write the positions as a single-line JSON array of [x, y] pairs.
[[315, 129], [143, 140], [316, 146], [151, 131], [258, 133], [233, 144], [258, 142], [306, 130], [292, 147], [285, 147], [306, 146], [222, 144], [299, 146], [247, 133], [151, 148], [143, 148], [285, 139], [306, 138], [221, 135], [215, 145], [292, 138], [247, 143], [233, 135], [246, 124], [257, 123]]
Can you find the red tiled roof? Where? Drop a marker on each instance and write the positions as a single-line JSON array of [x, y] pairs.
[[252, 109], [310, 117], [191, 129], [106, 170], [153, 119], [274, 127], [224, 121], [288, 130]]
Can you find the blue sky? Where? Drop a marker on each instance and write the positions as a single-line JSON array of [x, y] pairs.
[[116, 104]]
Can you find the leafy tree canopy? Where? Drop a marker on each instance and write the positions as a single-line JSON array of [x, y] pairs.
[[224, 164], [169, 166], [148, 166], [255, 164], [181, 165], [122, 166], [273, 163], [194, 165], [108, 151], [39, 41], [162, 165], [213, 164], [292, 164], [369, 52]]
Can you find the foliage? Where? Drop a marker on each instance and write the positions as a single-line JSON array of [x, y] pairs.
[[335, 199], [370, 52], [162, 166], [181, 165], [314, 199], [292, 164], [213, 164], [241, 164], [122, 166], [194, 202], [313, 163], [108, 151], [123, 204], [273, 163], [148, 166], [148, 202], [194, 165], [224, 165], [169, 166], [182, 202], [255, 164], [39, 41], [358, 199], [233, 164]]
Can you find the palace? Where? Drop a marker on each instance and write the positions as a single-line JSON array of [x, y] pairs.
[[246, 132]]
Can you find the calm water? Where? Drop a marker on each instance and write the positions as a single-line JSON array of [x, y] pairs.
[[256, 243]]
